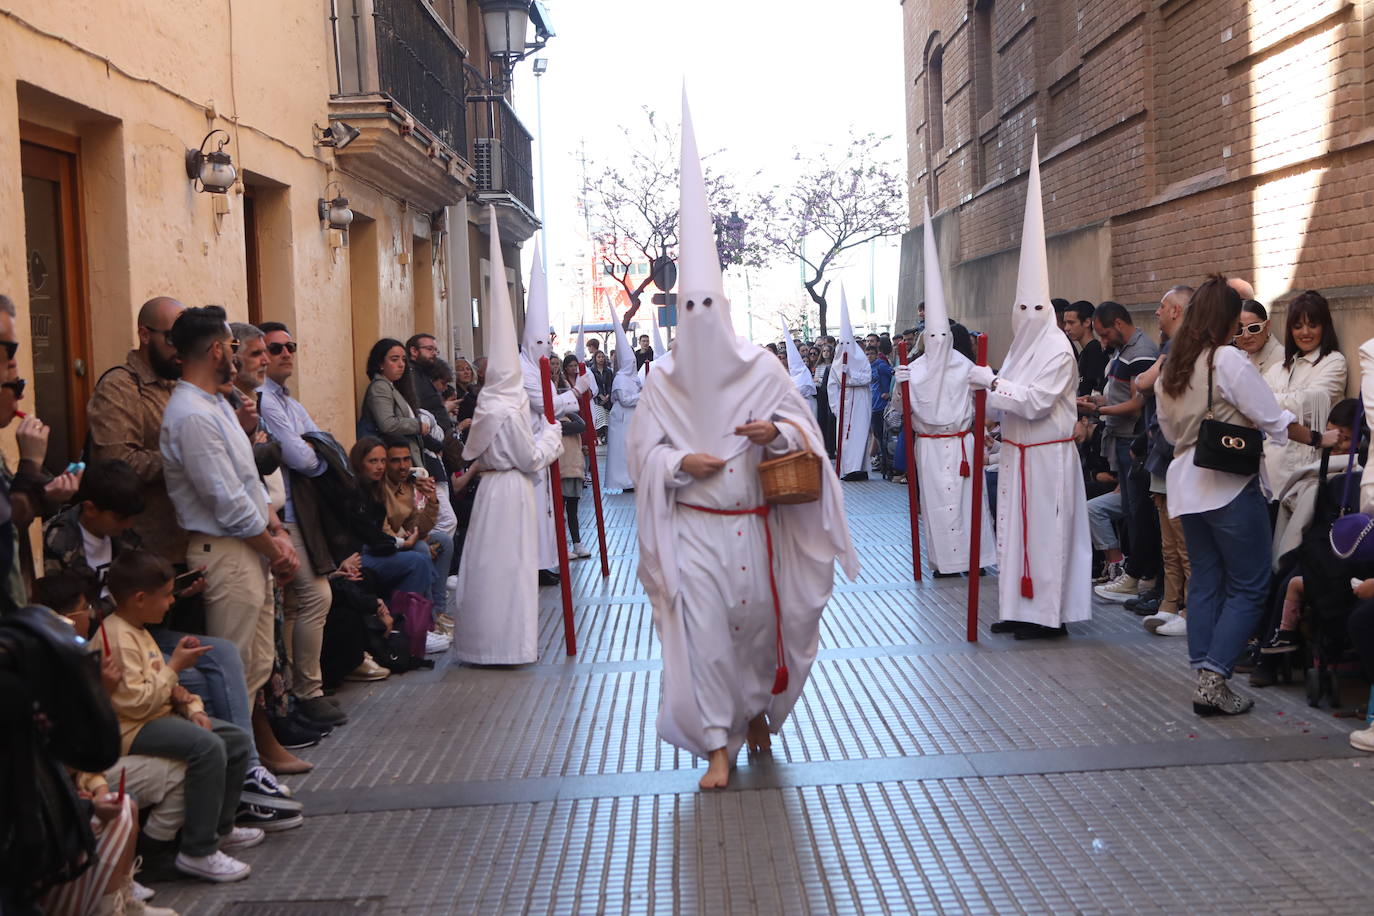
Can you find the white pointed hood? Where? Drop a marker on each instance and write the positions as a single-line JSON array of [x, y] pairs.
[[700, 387], [624, 353], [535, 342], [1036, 339], [503, 394], [939, 379], [855, 369], [796, 366], [659, 349], [581, 350]]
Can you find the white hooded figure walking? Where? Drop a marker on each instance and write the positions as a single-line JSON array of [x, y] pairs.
[[942, 421], [534, 344], [737, 585], [496, 620], [796, 368], [625, 390], [851, 436], [1044, 556]]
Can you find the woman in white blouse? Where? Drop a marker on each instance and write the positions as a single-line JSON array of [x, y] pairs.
[[1309, 380], [1220, 511], [1254, 338]]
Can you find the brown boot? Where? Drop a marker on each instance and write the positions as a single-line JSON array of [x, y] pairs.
[[275, 757]]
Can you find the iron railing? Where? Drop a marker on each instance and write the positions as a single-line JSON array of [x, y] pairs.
[[502, 150], [418, 63]]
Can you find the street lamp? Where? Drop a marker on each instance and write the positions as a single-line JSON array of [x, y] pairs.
[[506, 23], [541, 66]]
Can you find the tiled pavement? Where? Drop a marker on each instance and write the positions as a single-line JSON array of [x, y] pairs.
[[919, 774]]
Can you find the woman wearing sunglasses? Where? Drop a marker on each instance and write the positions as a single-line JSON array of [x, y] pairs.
[[1310, 379], [1254, 338]]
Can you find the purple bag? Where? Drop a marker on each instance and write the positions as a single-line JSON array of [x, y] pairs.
[[1352, 535], [417, 612]]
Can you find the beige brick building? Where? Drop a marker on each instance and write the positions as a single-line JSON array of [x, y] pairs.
[[1177, 137], [99, 105]]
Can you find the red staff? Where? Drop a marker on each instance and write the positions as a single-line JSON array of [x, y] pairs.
[[911, 492], [839, 427], [559, 522], [590, 436], [975, 536]]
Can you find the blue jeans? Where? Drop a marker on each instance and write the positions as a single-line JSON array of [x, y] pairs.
[[443, 562], [1103, 513], [218, 680], [403, 571], [1229, 551]]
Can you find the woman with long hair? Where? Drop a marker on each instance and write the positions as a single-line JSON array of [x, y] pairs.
[[1225, 518], [1254, 337], [572, 465], [825, 416], [394, 567], [604, 377], [1310, 379], [387, 409]]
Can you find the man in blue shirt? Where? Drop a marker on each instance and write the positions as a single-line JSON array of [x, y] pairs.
[[218, 497], [309, 598], [878, 351]]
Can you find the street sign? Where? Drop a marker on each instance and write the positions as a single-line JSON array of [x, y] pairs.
[[664, 273], [667, 314]]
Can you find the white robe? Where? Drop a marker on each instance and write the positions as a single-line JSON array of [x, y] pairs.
[[624, 396], [564, 404], [858, 415], [496, 619], [1057, 534], [946, 496], [707, 576]]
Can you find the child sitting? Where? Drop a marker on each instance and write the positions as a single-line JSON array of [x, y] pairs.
[[160, 718]]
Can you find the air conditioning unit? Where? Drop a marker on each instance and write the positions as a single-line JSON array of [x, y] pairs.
[[487, 156]]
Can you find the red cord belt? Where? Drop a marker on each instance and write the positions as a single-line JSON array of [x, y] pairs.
[[1027, 586], [780, 675], [963, 448]]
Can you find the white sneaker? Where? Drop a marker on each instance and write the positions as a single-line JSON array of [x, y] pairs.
[[579, 552], [241, 838], [1119, 589], [1363, 740], [1176, 627], [1110, 571], [1155, 621], [142, 894], [436, 643], [216, 867]]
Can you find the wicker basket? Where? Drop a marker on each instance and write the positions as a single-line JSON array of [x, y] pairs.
[[792, 478]]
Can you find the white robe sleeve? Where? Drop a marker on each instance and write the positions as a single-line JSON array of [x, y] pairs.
[[1034, 401], [539, 450]]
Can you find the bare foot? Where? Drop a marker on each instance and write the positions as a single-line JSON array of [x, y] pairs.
[[758, 738], [717, 770]]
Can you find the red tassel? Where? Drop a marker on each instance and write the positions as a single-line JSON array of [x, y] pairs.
[[963, 469], [1027, 587], [780, 680]]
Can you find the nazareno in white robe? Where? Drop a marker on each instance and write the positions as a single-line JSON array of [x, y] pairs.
[[707, 575], [497, 614], [564, 404], [858, 412], [946, 494], [1042, 410], [625, 392]]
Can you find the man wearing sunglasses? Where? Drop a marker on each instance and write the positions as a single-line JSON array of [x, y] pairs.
[[125, 416], [219, 498]]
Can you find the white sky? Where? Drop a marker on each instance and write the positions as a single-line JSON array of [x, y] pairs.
[[763, 77]]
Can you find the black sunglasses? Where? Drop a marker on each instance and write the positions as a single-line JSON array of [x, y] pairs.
[[276, 348], [11, 347], [17, 386]]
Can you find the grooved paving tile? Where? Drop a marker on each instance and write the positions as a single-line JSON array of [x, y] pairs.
[[1127, 841]]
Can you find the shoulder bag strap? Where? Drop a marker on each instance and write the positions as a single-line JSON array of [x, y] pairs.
[[1346, 504], [1211, 357]]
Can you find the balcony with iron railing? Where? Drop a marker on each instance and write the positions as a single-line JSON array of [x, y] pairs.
[[502, 159], [399, 79]]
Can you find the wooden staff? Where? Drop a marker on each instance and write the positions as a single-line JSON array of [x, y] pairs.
[[839, 425], [559, 521], [590, 436], [913, 497], [975, 536]]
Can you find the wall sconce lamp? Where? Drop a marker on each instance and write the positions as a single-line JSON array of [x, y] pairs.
[[211, 172], [336, 135], [335, 211]]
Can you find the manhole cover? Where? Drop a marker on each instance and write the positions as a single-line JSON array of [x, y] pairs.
[[351, 906]]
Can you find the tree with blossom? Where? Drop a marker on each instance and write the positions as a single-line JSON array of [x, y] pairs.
[[631, 206], [843, 197]]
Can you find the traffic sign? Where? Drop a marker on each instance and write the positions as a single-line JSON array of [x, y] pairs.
[[664, 273]]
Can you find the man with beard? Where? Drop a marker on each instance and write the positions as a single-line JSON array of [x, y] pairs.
[[422, 353], [218, 497], [125, 416]]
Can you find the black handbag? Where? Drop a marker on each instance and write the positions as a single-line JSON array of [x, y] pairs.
[[1226, 446]]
